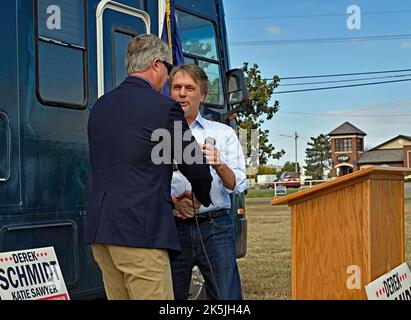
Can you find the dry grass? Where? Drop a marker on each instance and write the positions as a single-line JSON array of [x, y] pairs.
[[266, 269]]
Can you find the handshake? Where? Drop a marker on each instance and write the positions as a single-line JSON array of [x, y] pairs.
[[185, 205]]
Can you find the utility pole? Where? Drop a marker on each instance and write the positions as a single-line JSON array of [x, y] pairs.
[[295, 137]]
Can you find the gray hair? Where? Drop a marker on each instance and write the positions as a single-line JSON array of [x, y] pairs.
[[142, 50]]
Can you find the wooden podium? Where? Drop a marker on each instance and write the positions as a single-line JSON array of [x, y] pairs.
[[346, 233]]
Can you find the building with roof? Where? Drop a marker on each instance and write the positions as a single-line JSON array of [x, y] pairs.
[[348, 154], [347, 147]]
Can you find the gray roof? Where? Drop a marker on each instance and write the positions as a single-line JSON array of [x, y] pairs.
[[393, 139], [382, 156], [346, 128]]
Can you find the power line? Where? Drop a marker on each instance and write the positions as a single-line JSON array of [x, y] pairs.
[[341, 74], [321, 40], [304, 139], [341, 81], [348, 115], [339, 87], [317, 15]]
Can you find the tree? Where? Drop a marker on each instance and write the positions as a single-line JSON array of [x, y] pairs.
[[266, 170], [199, 48], [318, 157], [290, 167], [257, 108]]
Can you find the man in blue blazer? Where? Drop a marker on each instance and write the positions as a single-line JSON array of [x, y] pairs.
[[130, 221]]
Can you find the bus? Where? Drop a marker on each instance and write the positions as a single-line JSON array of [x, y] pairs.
[[57, 58]]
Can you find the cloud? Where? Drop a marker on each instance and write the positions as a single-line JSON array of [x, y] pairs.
[[274, 31], [405, 45], [390, 107]]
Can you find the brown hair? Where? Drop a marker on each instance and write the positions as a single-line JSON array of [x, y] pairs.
[[195, 72]]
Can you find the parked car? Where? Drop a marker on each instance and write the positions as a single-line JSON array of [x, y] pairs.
[[290, 179], [271, 185]]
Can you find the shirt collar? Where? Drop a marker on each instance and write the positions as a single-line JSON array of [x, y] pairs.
[[199, 120]]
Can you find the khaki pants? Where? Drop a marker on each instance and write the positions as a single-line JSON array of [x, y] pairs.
[[134, 273]]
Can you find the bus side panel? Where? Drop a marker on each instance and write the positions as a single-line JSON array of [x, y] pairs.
[[10, 193], [55, 171]]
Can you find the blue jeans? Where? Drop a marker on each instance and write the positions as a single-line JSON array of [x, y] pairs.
[[219, 241]]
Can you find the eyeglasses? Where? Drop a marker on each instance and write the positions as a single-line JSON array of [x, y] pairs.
[[169, 66]]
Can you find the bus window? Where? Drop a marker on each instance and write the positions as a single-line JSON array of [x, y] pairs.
[[62, 20], [121, 41], [199, 42], [3, 147], [61, 51], [215, 94], [189, 60]]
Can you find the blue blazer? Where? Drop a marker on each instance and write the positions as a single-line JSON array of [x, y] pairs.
[[130, 203]]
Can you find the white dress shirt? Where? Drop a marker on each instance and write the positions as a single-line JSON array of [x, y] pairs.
[[231, 154]]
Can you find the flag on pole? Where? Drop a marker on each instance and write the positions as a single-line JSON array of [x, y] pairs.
[[171, 35]]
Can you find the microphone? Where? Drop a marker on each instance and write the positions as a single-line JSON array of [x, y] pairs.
[[210, 141]]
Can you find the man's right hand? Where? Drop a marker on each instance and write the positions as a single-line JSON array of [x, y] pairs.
[[183, 205]]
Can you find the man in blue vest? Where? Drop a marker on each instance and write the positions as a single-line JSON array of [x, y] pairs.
[[130, 221]]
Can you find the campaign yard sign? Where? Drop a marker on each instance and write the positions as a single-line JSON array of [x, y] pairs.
[[280, 189], [32, 274], [394, 285]]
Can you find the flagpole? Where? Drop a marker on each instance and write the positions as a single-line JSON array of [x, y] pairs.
[[168, 15]]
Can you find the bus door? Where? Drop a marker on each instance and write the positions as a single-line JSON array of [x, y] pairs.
[[10, 193], [117, 24]]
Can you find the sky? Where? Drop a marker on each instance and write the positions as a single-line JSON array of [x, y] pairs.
[[381, 111]]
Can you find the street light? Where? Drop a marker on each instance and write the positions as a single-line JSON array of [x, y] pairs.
[[295, 137]]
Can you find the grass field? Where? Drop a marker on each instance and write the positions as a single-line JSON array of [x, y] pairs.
[[264, 193], [266, 269]]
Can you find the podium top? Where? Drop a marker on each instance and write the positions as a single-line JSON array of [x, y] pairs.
[[340, 181]]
